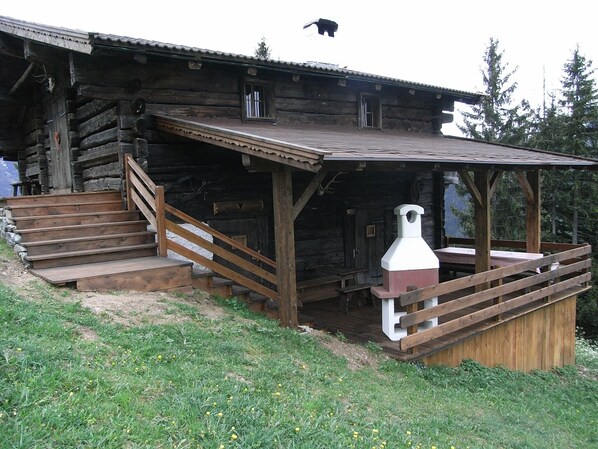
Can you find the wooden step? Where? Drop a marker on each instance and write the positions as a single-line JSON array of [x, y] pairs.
[[82, 230], [209, 282], [46, 209], [89, 243], [140, 274], [64, 198], [91, 256], [48, 221]]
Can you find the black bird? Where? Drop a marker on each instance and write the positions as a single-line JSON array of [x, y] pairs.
[[324, 26]]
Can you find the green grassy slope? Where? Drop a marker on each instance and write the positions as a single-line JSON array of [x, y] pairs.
[[70, 378]]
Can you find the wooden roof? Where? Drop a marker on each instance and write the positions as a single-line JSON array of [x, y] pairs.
[[310, 148], [90, 42]]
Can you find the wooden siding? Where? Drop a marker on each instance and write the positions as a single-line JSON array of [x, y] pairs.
[[542, 339], [170, 86]]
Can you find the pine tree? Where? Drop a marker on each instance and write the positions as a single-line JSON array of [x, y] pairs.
[[570, 125], [262, 51], [495, 119]]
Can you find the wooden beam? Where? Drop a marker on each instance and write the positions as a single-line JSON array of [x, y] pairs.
[[471, 187], [495, 179], [308, 193], [526, 186], [22, 79], [482, 222], [284, 234]]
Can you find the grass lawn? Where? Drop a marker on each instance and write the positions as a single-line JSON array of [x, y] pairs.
[[72, 378]]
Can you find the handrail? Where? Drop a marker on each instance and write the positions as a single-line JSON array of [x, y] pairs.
[[514, 244], [148, 197], [550, 278], [236, 245]]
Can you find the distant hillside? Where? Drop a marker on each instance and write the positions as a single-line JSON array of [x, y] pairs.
[[8, 175], [451, 222]]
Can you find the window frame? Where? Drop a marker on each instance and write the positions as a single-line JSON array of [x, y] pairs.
[[267, 102], [375, 112]]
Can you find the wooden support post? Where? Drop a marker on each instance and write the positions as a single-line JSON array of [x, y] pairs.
[[530, 183], [161, 222], [284, 234], [482, 223]]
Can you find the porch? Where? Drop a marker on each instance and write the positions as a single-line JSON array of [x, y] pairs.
[[521, 316]]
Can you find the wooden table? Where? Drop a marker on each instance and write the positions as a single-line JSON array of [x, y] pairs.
[[466, 257]]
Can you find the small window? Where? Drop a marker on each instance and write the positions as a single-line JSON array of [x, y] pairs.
[[256, 101], [370, 112]]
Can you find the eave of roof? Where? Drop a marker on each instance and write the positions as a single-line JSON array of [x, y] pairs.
[[309, 148], [55, 36], [86, 42]]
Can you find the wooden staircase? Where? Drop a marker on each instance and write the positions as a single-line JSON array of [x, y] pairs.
[[88, 240]]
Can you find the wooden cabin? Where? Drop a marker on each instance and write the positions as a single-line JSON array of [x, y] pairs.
[[294, 170]]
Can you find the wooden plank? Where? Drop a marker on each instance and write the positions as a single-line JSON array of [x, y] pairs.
[[452, 286], [284, 232], [110, 170], [308, 193], [92, 108], [222, 270], [147, 213], [101, 138], [219, 251], [146, 280], [143, 191], [482, 315], [100, 122], [135, 168], [99, 155], [490, 294]]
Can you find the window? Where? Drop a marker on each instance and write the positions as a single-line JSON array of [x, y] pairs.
[[370, 112], [256, 101]]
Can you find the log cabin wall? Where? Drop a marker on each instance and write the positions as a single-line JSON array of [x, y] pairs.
[[32, 159], [205, 181]]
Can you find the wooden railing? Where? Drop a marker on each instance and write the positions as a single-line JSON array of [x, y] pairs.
[[492, 295], [149, 199]]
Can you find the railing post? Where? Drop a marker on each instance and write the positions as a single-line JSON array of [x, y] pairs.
[[130, 203], [412, 308], [161, 222]]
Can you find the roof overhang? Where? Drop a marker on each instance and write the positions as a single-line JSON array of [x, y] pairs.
[[55, 36], [311, 148]]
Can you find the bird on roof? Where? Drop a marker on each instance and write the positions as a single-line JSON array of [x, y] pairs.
[[324, 26]]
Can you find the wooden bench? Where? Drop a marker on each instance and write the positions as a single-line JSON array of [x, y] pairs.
[[317, 289], [326, 286], [346, 293]]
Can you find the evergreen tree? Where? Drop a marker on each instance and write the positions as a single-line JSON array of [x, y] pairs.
[[495, 119], [262, 51], [570, 125]]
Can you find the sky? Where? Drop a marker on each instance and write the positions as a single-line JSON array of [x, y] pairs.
[[433, 42]]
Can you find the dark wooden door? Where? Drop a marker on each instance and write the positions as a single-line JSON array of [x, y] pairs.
[[366, 240], [60, 147]]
